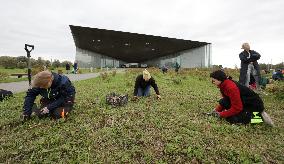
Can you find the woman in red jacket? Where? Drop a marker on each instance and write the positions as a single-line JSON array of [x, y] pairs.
[[239, 103]]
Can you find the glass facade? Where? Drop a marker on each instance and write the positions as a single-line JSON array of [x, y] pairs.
[[87, 59], [198, 57]]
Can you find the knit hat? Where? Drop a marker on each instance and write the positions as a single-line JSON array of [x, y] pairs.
[[219, 75], [146, 74]]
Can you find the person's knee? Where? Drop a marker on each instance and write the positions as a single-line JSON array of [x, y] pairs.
[[244, 118], [140, 92]]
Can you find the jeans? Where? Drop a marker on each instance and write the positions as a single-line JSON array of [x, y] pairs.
[[144, 92], [253, 71]]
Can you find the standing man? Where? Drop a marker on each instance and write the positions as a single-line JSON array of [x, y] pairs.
[[67, 68], [177, 66], [164, 69], [249, 65], [75, 66]]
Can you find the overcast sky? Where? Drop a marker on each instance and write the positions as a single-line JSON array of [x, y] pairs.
[[224, 23]]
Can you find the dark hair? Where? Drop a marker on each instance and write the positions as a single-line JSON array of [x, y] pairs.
[[219, 75]]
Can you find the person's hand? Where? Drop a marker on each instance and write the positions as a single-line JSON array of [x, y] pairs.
[[159, 97], [25, 117], [216, 114], [44, 110]]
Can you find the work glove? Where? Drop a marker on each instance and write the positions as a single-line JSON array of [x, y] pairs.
[[216, 114], [159, 97], [44, 110], [25, 117]]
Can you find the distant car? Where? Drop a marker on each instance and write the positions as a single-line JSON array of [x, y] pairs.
[[143, 65], [130, 65], [124, 65], [133, 65]]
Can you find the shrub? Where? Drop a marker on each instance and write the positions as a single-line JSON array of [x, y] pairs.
[[36, 69], [21, 64], [104, 75], [3, 75], [177, 81], [113, 73], [277, 88]]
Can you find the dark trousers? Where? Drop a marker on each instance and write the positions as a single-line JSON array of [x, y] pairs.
[[243, 117], [57, 113]]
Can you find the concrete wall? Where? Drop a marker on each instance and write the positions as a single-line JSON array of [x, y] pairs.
[[198, 57]]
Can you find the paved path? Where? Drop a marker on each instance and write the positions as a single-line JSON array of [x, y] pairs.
[[22, 86]]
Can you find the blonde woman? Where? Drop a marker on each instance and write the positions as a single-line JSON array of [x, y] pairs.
[[143, 83], [57, 93]]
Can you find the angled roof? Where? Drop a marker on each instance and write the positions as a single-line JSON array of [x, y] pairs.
[[129, 47]]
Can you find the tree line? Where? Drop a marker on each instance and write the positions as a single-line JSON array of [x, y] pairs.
[[22, 62], [262, 66]]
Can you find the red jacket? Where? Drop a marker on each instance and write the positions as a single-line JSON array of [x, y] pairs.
[[229, 89]]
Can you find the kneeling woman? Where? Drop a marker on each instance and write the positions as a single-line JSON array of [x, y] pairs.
[[239, 103], [57, 93], [143, 83]]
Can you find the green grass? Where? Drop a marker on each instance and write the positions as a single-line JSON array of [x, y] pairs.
[[15, 70], [81, 70], [172, 130], [24, 78], [9, 80], [5, 78]]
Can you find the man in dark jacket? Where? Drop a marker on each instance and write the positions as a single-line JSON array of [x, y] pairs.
[[75, 66], [249, 65], [143, 83], [278, 75], [239, 103], [67, 68], [57, 93], [176, 66]]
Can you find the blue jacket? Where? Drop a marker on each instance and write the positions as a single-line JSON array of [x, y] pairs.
[[61, 89]]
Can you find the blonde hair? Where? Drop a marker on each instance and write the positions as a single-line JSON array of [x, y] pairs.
[[245, 46], [146, 74], [41, 79]]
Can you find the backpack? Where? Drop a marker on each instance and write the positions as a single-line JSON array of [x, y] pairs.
[[4, 94], [116, 100]]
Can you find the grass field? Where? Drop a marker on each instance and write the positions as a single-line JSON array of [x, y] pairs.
[[171, 130], [6, 78]]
